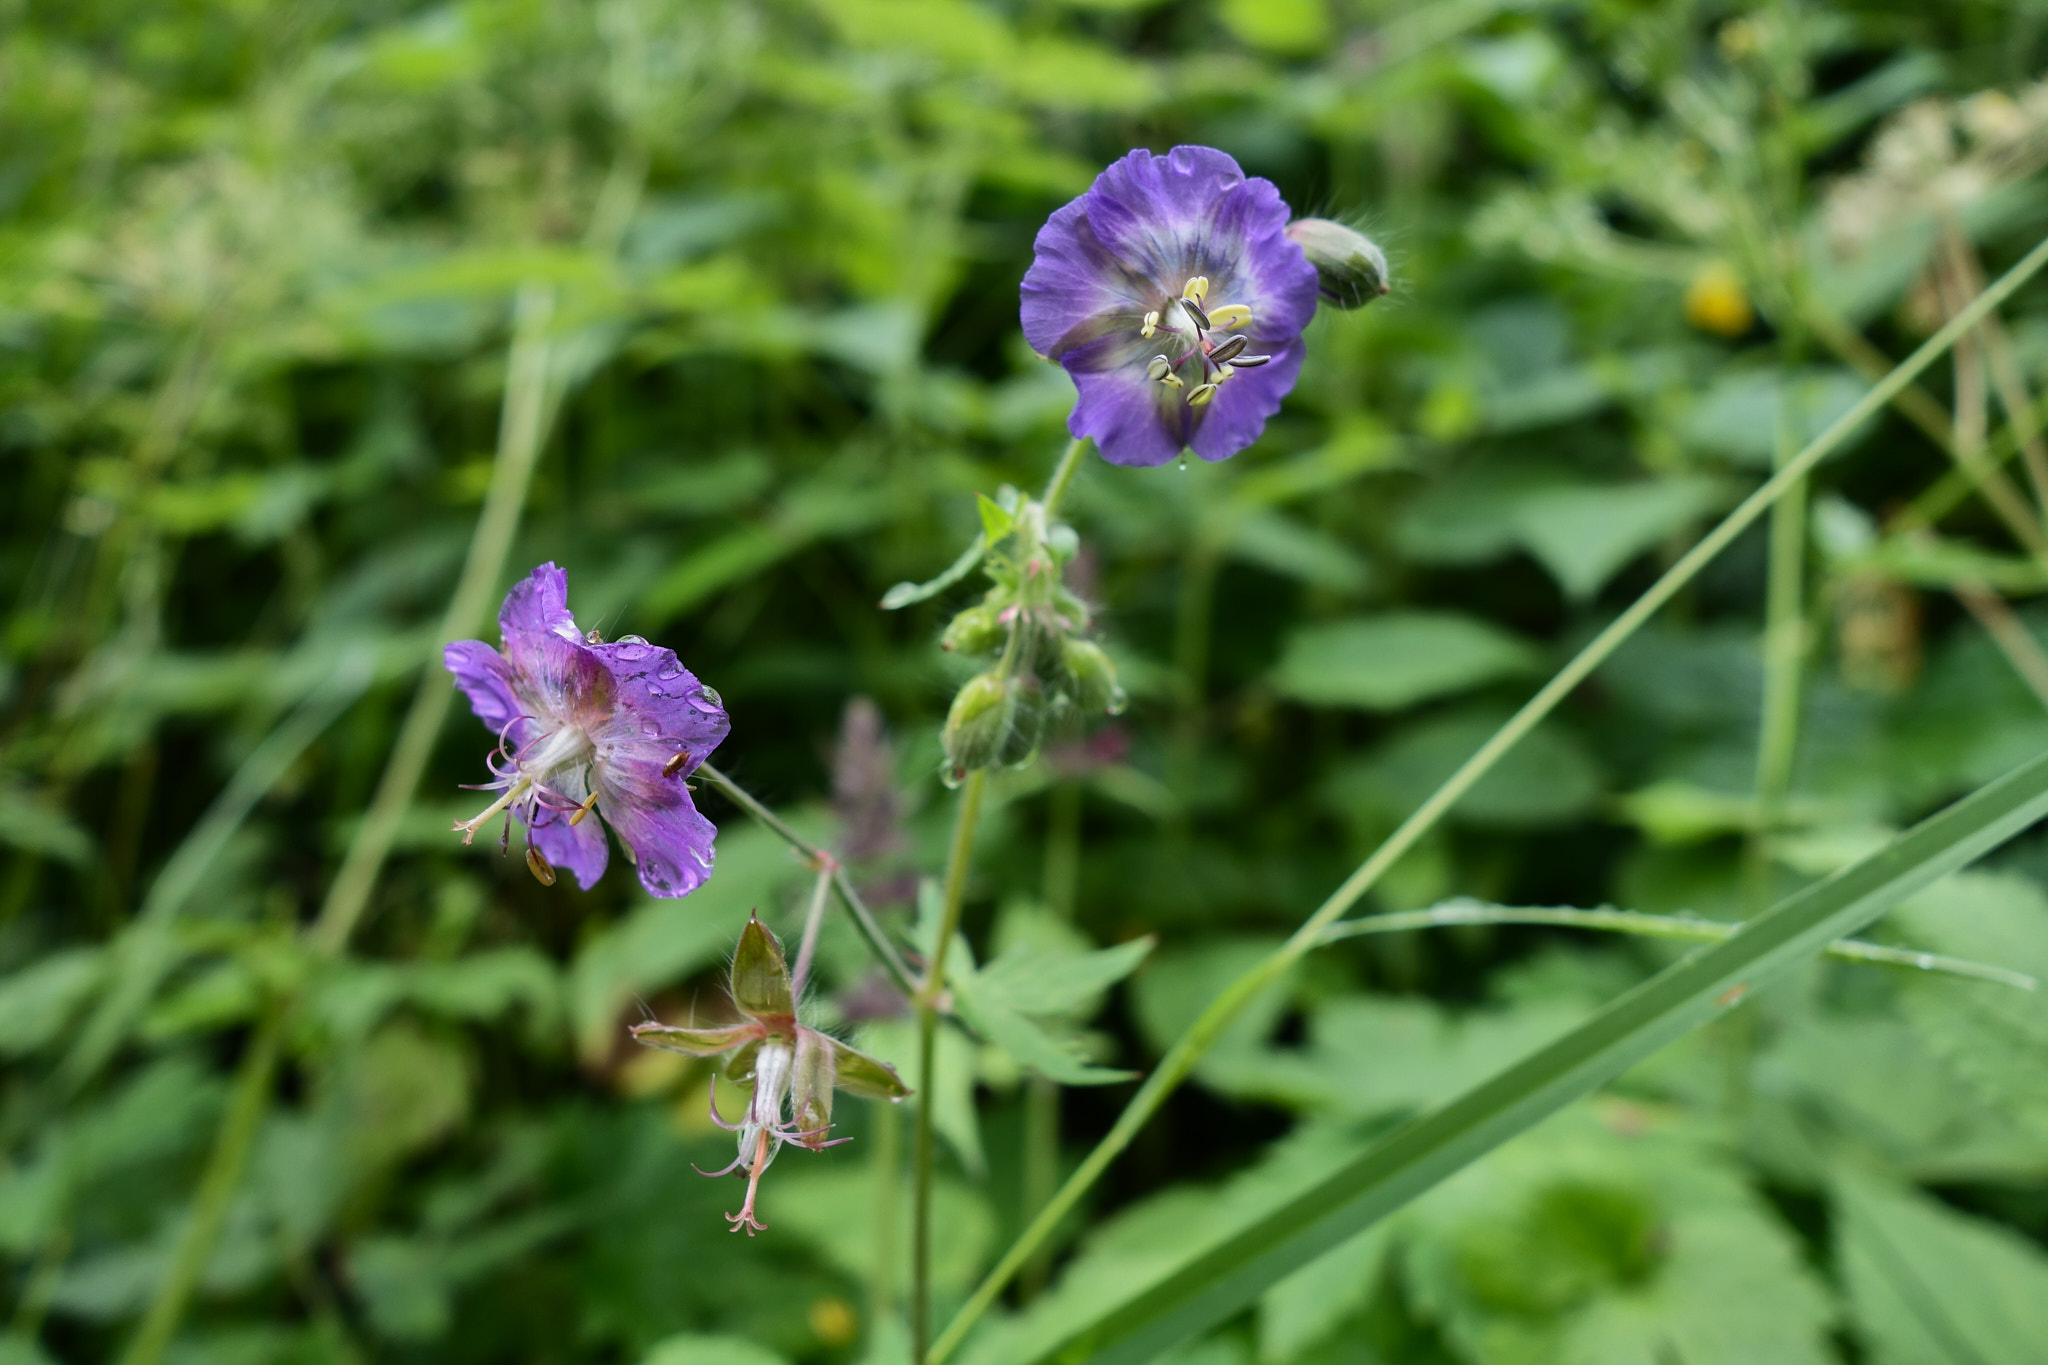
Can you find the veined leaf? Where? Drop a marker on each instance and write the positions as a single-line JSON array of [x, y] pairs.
[[1418, 1155]]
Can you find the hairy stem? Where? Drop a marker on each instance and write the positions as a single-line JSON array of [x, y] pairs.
[[813, 919], [1180, 1060], [863, 918], [923, 1157]]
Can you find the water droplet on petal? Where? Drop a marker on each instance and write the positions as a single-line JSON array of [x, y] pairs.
[[702, 860], [952, 775], [671, 669], [707, 700]]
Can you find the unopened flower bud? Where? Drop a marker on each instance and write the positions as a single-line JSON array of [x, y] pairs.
[[974, 631], [1091, 676], [1350, 269], [979, 721]]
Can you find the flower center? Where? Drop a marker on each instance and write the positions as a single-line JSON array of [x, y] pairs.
[[535, 778], [1195, 342]]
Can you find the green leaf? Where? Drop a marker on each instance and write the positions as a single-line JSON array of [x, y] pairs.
[[1385, 663], [1547, 779], [1995, 1041], [691, 1349], [1585, 535], [996, 522], [1031, 1046], [1041, 983], [903, 594], [1308, 1305], [1930, 1286], [1418, 1155], [40, 999]]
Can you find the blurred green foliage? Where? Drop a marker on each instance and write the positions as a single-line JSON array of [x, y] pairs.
[[256, 270]]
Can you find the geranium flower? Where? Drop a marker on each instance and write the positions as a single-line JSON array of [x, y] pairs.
[[790, 1069], [584, 726], [1173, 296]]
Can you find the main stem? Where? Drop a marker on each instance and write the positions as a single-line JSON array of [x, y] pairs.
[[1180, 1059], [926, 1000]]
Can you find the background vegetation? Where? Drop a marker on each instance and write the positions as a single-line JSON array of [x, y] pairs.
[[261, 331]]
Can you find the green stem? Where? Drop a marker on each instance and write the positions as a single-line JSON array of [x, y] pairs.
[[884, 1215], [519, 442], [216, 1190], [1062, 475], [1180, 1060], [863, 918], [813, 919], [1682, 927], [521, 428], [1042, 1097], [926, 1000]]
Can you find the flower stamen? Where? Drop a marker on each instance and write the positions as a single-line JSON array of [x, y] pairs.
[[468, 828], [1228, 316], [583, 810], [745, 1217], [1201, 394], [537, 863], [1151, 325], [1196, 289]]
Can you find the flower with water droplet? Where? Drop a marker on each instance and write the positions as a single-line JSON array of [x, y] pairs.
[[586, 727], [790, 1070], [1173, 296]]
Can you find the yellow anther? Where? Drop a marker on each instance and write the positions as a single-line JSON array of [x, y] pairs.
[[1151, 324], [1172, 381], [1227, 315], [1223, 372], [583, 810], [1201, 394], [1196, 287]]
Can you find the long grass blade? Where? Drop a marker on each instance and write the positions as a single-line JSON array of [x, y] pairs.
[[1685, 928], [1408, 1161]]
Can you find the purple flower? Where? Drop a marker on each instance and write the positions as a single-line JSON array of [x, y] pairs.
[[582, 726], [1172, 295]]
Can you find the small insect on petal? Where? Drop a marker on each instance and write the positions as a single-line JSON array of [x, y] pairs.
[[543, 871], [677, 761], [1230, 349]]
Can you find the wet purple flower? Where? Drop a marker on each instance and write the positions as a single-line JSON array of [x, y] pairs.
[[1172, 295], [586, 726]]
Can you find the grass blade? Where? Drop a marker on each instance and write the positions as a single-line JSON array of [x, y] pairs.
[[1408, 1161]]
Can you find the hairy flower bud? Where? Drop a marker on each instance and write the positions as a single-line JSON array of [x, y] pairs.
[[979, 722], [1350, 270], [974, 631], [1092, 677]]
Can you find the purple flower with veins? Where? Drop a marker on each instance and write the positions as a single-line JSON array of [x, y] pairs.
[[1172, 295], [584, 726]]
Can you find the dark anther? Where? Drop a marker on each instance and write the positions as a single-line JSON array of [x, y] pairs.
[[1195, 311], [543, 871], [1230, 349], [1247, 362]]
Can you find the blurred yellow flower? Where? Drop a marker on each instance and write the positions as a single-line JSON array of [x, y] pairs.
[[1715, 301], [833, 1321]]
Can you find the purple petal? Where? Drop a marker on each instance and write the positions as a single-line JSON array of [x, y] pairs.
[[1268, 270], [536, 610], [653, 817], [486, 679], [662, 709], [1076, 282], [1132, 420], [1236, 416], [579, 849], [1152, 211]]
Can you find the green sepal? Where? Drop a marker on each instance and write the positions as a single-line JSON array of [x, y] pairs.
[[862, 1076], [760, 975], [695, 1042], [739, 1068], [810, 1091]]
